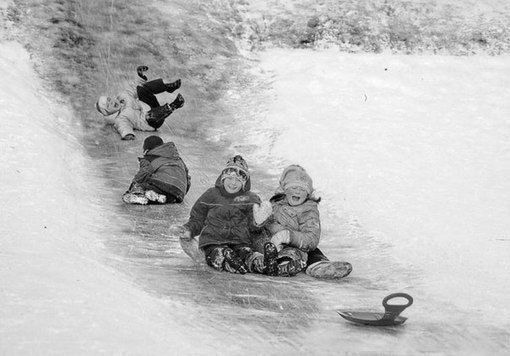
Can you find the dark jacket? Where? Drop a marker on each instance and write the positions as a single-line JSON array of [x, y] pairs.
[[162, 167], [223, 218]]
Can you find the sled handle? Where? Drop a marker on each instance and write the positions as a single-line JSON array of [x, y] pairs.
[[391, 311]]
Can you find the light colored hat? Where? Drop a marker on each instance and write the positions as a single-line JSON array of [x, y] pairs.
[[101, 105], [296, 176]]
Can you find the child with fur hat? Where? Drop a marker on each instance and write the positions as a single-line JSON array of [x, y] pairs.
[[222, 218], [139, 110], [291, 218], [163, 176]]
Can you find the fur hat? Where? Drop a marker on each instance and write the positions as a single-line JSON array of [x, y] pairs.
[[101, 105], [236, 166], [296, 176], [152, 142]]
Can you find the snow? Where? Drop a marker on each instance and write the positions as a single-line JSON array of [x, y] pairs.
[[415, 149], [410, 155], [57, 294]]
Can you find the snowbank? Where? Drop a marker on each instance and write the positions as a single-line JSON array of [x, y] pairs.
[[415, 149], [57, 296]]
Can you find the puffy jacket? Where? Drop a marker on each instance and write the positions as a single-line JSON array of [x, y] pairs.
[[302, 221], [223, 218], [131, 115], [164, 168]]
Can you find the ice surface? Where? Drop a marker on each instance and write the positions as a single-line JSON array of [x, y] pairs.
[[409, 153]]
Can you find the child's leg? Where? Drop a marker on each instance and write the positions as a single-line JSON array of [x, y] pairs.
[[147, 90], [291, 261], [223, 258], [253, 260], [156, 116]]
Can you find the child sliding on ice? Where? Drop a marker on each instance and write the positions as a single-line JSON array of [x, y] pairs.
[[139, 110], [223, 219], [163, 176], [292, 221]]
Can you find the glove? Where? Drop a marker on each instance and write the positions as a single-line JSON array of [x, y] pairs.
[[181, 231], [140, 70], [281, 238], [262, 212]]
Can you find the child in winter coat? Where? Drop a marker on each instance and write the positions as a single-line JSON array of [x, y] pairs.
[[163, 176], [139, 110], [223, 219], [292, 220]]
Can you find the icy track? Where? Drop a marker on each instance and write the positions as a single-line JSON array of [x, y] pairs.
[[411, 157]]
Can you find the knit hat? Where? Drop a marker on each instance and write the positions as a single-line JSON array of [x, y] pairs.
[[152, 142], [296, 176], [101, 105], [236, 166]]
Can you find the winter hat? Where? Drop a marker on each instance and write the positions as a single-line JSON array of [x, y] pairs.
[[101, 105], [152, 142], [296, 176], [236, 167]]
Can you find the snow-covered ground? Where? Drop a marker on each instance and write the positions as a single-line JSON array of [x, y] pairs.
[[410, 154], [414, 149], [57, 295]]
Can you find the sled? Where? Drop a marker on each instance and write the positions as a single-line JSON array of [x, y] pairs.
[[190, 247], [390, 317]]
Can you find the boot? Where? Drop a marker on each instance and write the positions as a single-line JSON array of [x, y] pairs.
[[329, 269], [290, 268], [153, 196], [131, 198], [270, 259], [177, 103], [234, 261], [171, 87]]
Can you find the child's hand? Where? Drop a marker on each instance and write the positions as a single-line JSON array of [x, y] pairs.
[[262, 212], [181, 231], [281, 238]]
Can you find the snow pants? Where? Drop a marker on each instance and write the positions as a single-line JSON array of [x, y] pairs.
[[146, 93]]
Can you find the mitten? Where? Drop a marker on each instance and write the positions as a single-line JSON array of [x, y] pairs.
[[281, 238], [262, 212], [140, 70]]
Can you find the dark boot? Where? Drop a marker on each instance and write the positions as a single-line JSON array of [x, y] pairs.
[[171, 87], [234, 261], [270, 259], [177, 103], [290, 268]]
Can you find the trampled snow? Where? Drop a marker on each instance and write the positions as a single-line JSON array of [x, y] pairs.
[[414, 149]]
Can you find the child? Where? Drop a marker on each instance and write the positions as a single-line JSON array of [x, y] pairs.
[[163, 176], [292, 220], [223, 218], [140, 110]]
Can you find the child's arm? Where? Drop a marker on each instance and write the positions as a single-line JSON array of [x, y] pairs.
[[144, 172], [308, 235], [198, 213]]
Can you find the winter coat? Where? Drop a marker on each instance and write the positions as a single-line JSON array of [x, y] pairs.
[[302, 221], [163, 167], [223, 218], [131, 115]]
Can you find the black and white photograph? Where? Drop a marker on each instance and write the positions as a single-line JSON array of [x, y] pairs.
[[250, 177]]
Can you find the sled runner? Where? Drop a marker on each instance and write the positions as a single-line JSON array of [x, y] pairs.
[[390, 317]]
